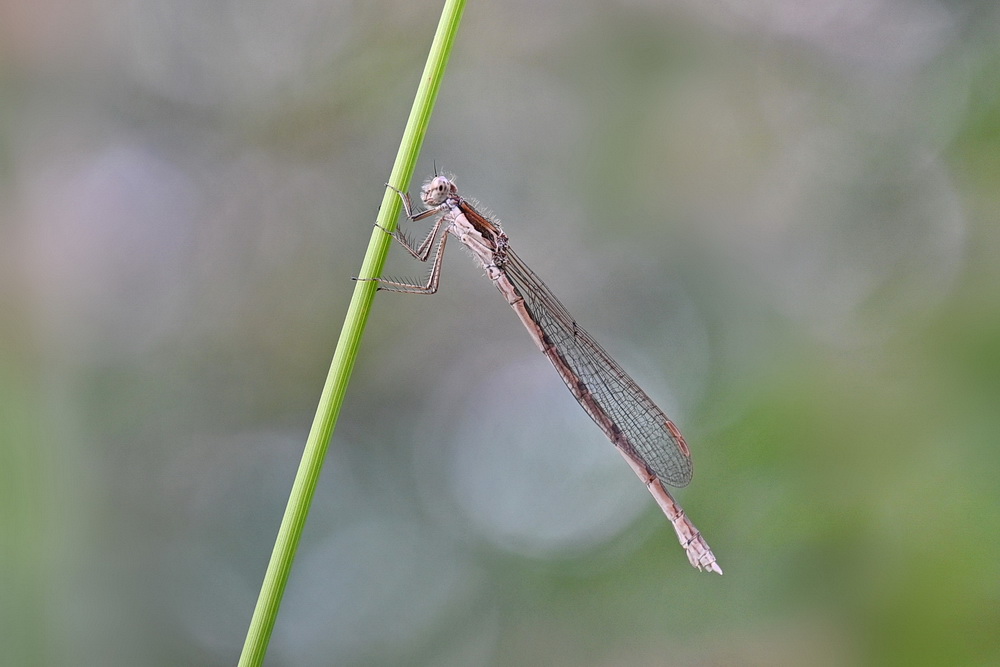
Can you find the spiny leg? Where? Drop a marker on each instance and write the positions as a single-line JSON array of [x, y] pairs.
[[432, 281], [421, 251]]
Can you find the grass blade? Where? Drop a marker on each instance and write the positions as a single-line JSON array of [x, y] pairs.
[[300, 497]]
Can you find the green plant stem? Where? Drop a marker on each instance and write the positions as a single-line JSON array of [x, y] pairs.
[[300, 498]]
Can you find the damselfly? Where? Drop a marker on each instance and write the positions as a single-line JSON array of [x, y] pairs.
[[650, 442]]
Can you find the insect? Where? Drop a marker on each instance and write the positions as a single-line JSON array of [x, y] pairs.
[[648, 440]]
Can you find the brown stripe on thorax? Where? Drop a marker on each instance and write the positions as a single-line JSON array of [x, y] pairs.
[[482, 224]]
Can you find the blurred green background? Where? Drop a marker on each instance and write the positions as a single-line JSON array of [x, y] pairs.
[[780, 215]]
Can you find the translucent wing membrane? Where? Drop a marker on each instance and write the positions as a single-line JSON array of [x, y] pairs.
[[613, 400]]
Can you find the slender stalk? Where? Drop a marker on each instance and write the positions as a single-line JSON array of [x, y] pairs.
[[300, 498]]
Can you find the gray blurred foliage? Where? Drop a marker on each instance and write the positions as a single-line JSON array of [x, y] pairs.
[[780, 215]]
